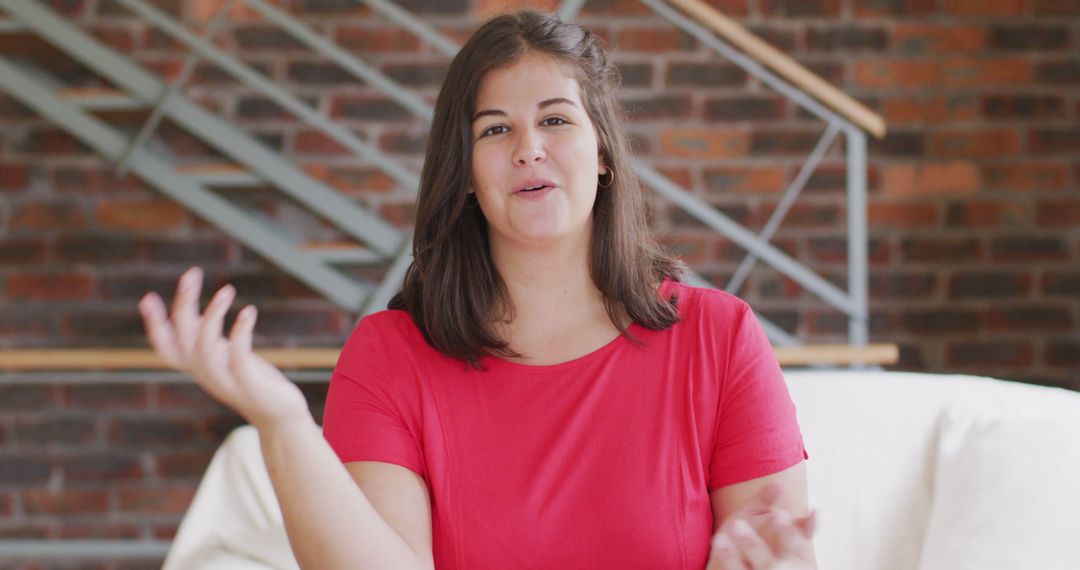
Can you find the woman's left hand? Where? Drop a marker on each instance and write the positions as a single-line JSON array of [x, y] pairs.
[[762, 536]]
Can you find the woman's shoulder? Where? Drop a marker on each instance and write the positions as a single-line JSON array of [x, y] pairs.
[[389, 331], [698, 303]]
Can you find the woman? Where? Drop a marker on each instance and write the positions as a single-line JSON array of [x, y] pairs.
[[542, 393]]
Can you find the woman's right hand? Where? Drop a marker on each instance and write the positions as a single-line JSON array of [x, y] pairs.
[[226, 368]]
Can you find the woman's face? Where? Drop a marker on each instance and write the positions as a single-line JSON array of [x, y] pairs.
[[531, 130]]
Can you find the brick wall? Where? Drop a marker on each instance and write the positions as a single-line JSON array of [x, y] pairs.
[[974, 208]]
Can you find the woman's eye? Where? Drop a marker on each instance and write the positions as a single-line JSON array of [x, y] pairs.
[[492, 130], [559, 119]]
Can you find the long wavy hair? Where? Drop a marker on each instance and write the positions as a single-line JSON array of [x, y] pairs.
[[452, 290]]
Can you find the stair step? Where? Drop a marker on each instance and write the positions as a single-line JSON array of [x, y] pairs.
[[220, 175], [342, 252], [99, 98]]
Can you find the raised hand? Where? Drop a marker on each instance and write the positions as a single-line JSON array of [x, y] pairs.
[[762, 536], [226, 368]]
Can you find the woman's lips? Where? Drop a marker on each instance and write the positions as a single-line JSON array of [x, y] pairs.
[[534, 194]]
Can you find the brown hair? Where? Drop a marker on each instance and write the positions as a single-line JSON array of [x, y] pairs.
[[452, 289]]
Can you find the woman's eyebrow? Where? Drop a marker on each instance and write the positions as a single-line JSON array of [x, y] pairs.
[[540, 105]]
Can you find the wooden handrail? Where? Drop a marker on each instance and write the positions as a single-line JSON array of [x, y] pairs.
[[783, 65], [325, 358]]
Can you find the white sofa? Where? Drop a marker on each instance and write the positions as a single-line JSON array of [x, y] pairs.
[[907, 471]]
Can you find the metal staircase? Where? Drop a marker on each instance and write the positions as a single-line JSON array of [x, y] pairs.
[[204, 189]]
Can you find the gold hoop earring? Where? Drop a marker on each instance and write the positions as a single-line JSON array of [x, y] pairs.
[[610, 178]]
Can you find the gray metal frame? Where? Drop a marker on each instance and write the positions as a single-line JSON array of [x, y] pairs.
[[854, 302], [220, 212]]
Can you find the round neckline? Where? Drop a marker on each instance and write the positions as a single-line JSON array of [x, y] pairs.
[[492, 362]]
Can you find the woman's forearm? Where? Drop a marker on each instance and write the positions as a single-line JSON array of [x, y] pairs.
[[330, 523]]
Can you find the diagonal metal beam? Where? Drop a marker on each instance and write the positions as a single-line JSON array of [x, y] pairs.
[[230, 219], [287, 101], [414, 103], [786, 202], [230, 141], [769, 254]]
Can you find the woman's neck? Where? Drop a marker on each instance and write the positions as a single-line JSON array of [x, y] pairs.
[[550, 287]]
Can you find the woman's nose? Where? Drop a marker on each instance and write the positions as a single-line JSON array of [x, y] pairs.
[[530, 148]]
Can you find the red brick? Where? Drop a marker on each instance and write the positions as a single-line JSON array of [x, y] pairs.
[[1025, 177], [918, 215], [914, 38], [1063, 353], [1033, 318], [61, 430], [183, 465], [51, 141], [1028, 248], [930, 179], [656, 107], [980, 354], [105, 396], [162, 500], [155, 215], [704, 74], [930, 109], [1054, 141], [26, 397], [314, 142], [1056, 8], [100, 467], [14, 176], [44, 287], [24, 470], [615, 7], [987, 214], [65, 503], [42, 215], [101, 531], [872, 8], [703, 143], [980, 73], [983, 143], [893, 285], [984, 8], [800, 8], [939, 322], [1061, 283], [118, 38], [988, 285], [484, 9], [897, 74], [206, 10], [1059, 213], [654, 40], [22, 251], [377, 39]]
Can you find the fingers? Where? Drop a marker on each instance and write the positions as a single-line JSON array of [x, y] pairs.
[[185, 309], [724, 554], [159, 331], [793, 542], [753, 548], [807, 524], [240, 341], [209, 330]]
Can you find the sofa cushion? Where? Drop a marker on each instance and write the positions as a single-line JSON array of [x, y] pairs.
[[1007, 481]]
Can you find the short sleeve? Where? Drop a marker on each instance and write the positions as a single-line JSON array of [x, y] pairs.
[[366, 416], [757, 433]]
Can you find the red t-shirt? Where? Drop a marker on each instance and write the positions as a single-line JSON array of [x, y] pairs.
[[605, 461]]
